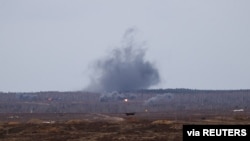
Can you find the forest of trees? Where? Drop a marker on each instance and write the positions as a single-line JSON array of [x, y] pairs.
[[156, 100]]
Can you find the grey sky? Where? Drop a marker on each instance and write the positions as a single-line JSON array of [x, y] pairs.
[[49, 44]]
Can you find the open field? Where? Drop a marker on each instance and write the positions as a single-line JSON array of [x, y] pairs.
[[151, 115], [103, 127]]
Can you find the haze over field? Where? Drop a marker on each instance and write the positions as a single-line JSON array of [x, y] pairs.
[[52, 45]]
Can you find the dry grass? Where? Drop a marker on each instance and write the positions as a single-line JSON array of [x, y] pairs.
[[132, 129]]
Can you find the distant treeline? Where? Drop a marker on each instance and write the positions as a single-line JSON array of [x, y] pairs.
[[145, 91], [152, 100], [184, 90]]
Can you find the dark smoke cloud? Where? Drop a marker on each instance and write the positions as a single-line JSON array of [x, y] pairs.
[[124, 69]]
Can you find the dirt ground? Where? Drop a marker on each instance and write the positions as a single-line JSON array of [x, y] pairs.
[[101, 127]]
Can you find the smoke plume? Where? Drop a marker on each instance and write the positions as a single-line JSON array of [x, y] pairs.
[[115, 96], [124, 69], [159, 99]]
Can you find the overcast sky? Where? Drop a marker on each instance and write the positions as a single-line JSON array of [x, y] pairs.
[[49, 44]]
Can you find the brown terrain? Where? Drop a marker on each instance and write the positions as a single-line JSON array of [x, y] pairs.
[[144, 116], [100, 127]]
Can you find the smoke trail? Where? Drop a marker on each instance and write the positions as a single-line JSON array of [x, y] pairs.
[[124, 69], [116, 96], [113, 96], [159, 99]]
